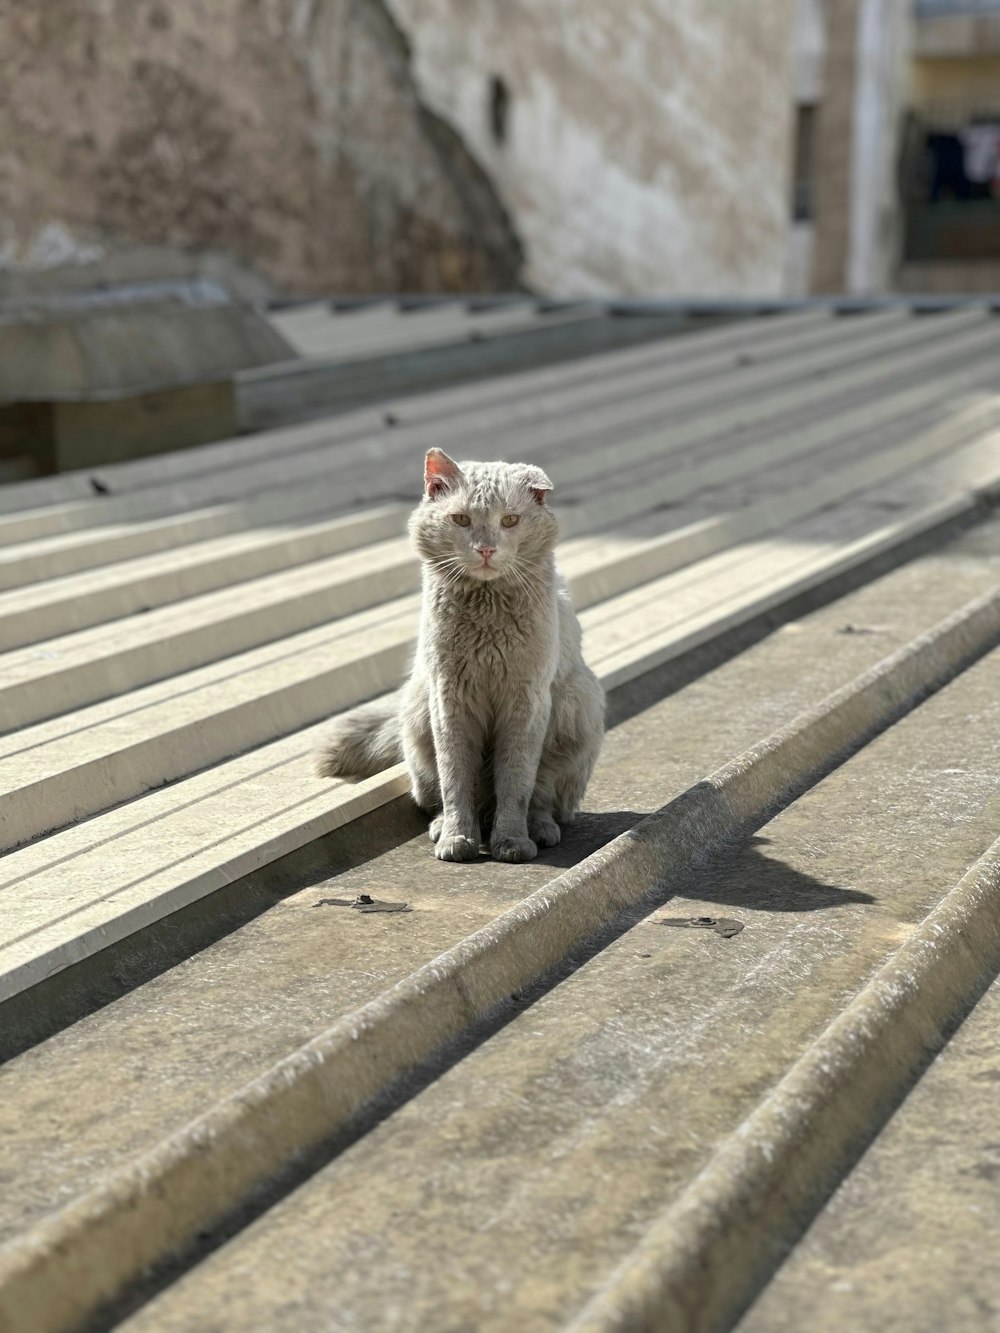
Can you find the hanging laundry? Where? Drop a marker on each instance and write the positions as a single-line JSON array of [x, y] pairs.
[[981, 152]]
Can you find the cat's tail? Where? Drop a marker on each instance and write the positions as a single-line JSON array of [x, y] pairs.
[[363, 742]]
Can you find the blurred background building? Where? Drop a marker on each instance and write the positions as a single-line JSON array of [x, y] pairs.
[[664, 147], [950, 178]]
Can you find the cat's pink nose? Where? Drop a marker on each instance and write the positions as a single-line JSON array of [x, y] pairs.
[[487, 552]]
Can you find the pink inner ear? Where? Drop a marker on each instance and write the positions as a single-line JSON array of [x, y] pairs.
[[539, 496], [439, 472]]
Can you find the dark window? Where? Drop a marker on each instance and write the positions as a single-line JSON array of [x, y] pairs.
[[950, 183], [499, 108], [804, 163]]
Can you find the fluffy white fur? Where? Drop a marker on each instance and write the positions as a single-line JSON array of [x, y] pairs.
[[501, 720]]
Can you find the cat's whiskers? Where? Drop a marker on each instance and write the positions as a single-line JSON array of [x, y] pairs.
[[450, 568], [528, 586], [450, 581]]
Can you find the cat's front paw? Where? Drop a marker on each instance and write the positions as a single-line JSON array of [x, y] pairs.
[[504, 848], [544, 830], [456, 849], [436, 825]]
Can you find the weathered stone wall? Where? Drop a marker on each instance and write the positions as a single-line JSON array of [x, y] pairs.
[[272, 141], [648, 145], [857, 229], [834, 141]]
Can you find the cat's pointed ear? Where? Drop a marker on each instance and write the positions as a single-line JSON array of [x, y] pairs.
[[538, 483], [441, 473]]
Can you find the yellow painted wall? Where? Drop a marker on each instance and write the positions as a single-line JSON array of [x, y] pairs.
[[971, 83]]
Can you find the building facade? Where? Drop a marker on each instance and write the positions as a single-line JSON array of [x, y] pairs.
[[277, 145], [896, 162], [951, 168], [577, 148], [640, 149]]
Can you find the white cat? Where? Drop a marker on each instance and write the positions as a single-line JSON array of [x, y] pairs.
[[501, 719]]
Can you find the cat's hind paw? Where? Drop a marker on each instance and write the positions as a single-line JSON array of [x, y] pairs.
[[544, 830], [503, 848], [456, 849]]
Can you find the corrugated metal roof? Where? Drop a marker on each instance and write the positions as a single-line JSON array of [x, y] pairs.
[[171, 651]]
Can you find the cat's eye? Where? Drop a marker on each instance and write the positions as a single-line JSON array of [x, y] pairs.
[[463, 520], [510, 520]]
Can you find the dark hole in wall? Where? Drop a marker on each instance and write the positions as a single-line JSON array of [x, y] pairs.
[[803, 185], [499, 106]]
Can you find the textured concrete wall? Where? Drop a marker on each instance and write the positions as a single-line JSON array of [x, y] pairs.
[[277, 138], [866, 79], [834, 138], [885, 41], [648, 145]]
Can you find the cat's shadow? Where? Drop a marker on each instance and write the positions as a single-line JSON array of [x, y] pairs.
[[742, 876], [587, 834]]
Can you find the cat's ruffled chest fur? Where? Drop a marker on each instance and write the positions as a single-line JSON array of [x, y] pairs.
[[491, 641]]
